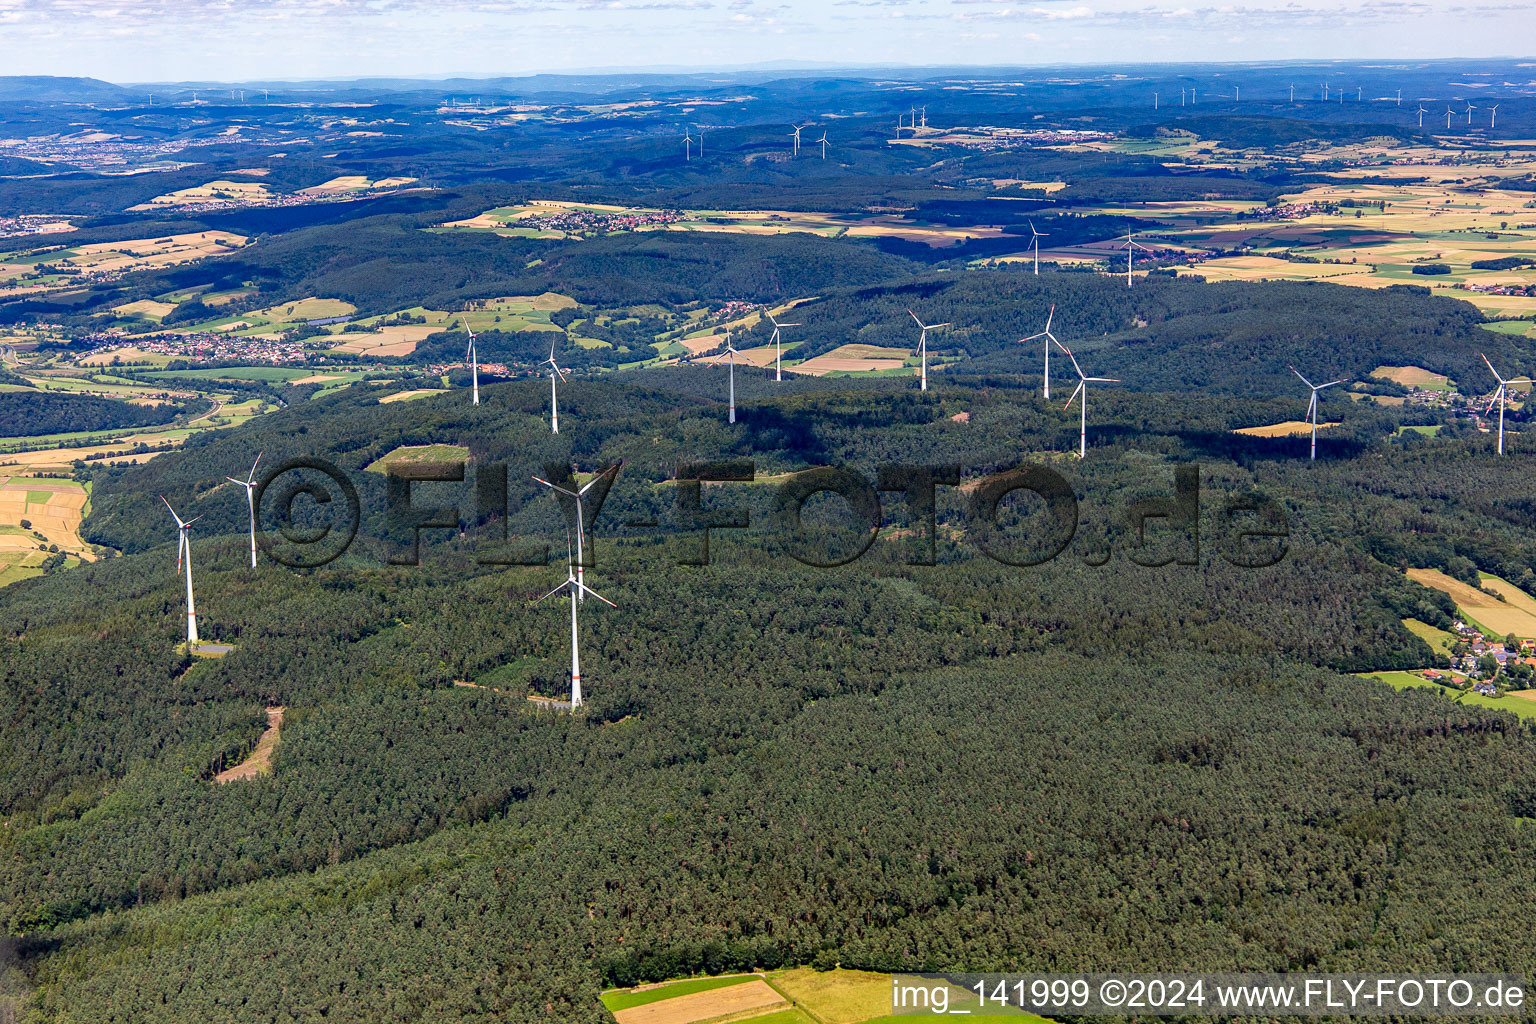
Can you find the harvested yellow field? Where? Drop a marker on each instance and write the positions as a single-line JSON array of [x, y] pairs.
[[707, 1005], [353, 183], [855, 359], [220, 190], [136, 254], [406, 396], [311, 308], [395, 340], [418, 454], [1290, 428], [1268, 268], [1501, 617], [145, 307], [1411, 376], [61, 459], [58, 518], [839, 996]]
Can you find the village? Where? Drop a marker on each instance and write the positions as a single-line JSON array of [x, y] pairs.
[[1487, 665]]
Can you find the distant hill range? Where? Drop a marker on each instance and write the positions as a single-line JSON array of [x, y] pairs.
[[51, 89]]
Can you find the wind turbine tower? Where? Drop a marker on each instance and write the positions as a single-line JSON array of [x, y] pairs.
[[729, 355], [1470, 108], [1034, 238], [1130, 247], [823, 141], [249, 483], [474, 365], [555, 373], [1493, 116], [1082, 389], [1312, 406], [1422, 112], [577, 589], [1049, 338], [1499, 396], [184, 555], [778, 351], [687, 145], [922, 344]]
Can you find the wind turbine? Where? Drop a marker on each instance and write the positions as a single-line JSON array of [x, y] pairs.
[[473, 356], [1293, 92], [581, 529], [184, 551], [1312, 406], [1448, 113], [249, 483], [925, 115], [796, 134], [1493, 116], [729, 354], [1154, 101], [1499, 396], [1082, 389], [1399, 97], [1130, 247], [577, 589], [1049, 337], [778, 352], [687, 145], [1034, 237], [823, 141], [922, 345], [554, 403], [701, 140], [1470, 108], [1422, 112]]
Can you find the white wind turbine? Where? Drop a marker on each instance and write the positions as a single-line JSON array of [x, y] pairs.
[[581, 518], [473, 356], [796, 135], [730, 355], [1082, 389], [1049, 337], [1130, 247], [577, 589], [555, 371], [1034, 238], [778, 350], [1449, 113], [1500, 397], [1493, 116], [184, 552], [1312, 405], [823, 141], [922, 345], [1470, 108], [687, 145], [1422, 112], [249, 483]]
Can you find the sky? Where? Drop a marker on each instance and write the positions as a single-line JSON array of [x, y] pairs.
[[240, 40]]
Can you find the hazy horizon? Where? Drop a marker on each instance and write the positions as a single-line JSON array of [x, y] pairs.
[[197, 40]]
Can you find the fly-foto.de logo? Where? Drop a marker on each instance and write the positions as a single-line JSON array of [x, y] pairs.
[[307, 513]]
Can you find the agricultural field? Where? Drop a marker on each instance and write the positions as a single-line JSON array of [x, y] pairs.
[[375, 336], [797, 996], [219, 190], [1438, 640], [1516, 613], [549, 219], [58, 267], [416, 455], [859, 359], [1288, 428], [1414, 377], [51, 508]]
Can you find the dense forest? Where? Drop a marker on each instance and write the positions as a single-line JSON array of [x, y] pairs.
[[32, 415]]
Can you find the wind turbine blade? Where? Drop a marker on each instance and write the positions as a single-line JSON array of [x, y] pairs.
[[1080, 386], [1519, 380], [255, 464], [1105, 380], [1331, 383], [552, 593], [1490, 368], [932, 326], [232, 480], [777, 324], [1070, 356], [914, 317], [554, 487], [1048, 318], [1303, 379], [1042, 334], [611, 469], [172, 512], [559, 373], [588, 590]]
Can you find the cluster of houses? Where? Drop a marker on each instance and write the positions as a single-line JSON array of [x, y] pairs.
[[33, 224], [1515, 288], [598, 222], [202, 345], [1482, 660]]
